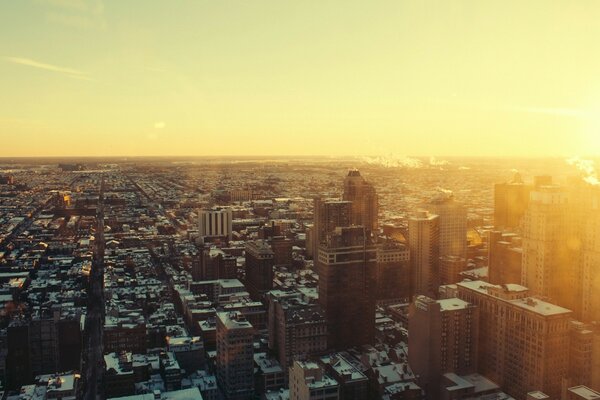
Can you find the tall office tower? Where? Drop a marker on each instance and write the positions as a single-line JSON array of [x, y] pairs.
[[505, 257], [523, 341], [297, 328], [585, 219], [510, 201], [393, 271], [346, 265], [235, 356], [581, 354], [365, 204], [282, 250], [423, 241], [259, 268], [308, 381], [328, 214], [450, 269], [550, 249], [214, 264], [453, 224], [442, 339], [216, 223]]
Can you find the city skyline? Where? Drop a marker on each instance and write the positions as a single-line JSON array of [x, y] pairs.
[[100, 78]]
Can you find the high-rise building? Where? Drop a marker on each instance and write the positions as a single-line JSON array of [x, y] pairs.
[[216, 223], [442, 339], [393, 271], [308, 381], [505, 256], [423, 241], [347, 264], [585, 237], [453, 224], [297, 328], [365, 203], [328, 214], [550, 250], [523, 341], [450, 269], [259, 268], [510, 201], [214, 264], [235, 359], [282, 250]]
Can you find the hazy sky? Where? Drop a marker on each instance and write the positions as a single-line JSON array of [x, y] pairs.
[[344, 77]]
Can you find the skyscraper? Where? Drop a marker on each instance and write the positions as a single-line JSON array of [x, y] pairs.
[[550, 248], [328, 214], [365, 203], [505, 258], [510, 201], [393, 270], [523, 341], [442, 339], [216, 223], [235, 360], [259, 268], [453, 224], [346, 264], [423, 241], [297, 328]]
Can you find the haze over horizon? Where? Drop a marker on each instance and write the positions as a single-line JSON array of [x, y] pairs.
[[113, 78]]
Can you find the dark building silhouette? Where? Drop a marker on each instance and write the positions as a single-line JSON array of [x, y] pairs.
[[365, 206], [393, 271], [347, 265], [328, 215], [510, 202], [259, 268], [504, 258], [214, 264]]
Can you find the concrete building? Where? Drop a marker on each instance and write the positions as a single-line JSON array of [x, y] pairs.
[[393, 271], [259, 268], [297, 328], [442, 339], [328, 214], [523, 341], [450, 269], [214, 264], [505, 258], [510, 202], [550, 248], [215, 223], [354, 384], [347, 264], [308, 381], [423, 241], [453, 224], [365, 203], [235, 360]]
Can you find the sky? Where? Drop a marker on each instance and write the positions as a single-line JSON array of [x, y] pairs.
[[302, 77]]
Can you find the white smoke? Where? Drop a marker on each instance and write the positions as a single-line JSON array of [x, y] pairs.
[[394, 161], [587, 168], [437, 163]]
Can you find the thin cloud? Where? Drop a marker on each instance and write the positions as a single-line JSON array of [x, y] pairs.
[[159, 125], [70, 72], [561, 112]]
